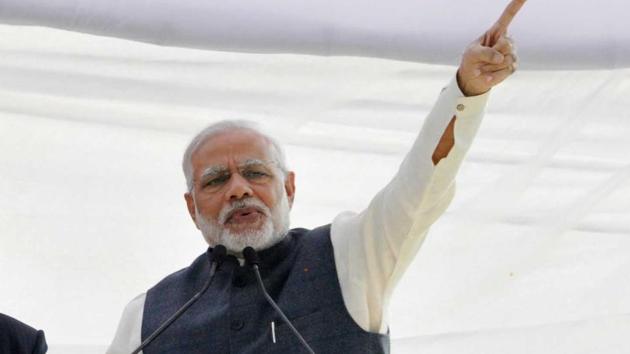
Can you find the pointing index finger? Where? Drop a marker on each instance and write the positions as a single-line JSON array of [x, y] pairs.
[[508, 15]]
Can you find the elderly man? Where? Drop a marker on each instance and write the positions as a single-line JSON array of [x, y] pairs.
[[334, 282]]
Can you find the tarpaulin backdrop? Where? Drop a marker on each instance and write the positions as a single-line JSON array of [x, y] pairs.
[[531, 257]]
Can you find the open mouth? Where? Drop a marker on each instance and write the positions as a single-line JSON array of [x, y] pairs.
[[244, 215]]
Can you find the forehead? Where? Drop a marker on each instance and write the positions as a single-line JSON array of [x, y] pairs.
[[231, 147]]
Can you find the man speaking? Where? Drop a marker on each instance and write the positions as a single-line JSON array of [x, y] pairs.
[[332, 283]]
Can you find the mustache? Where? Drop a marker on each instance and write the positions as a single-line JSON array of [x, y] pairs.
[[236, 205]]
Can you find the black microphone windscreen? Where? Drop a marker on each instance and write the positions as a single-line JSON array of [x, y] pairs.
[[219, 253], [251, 257]]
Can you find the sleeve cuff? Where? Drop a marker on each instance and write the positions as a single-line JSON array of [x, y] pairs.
[[469, 112]]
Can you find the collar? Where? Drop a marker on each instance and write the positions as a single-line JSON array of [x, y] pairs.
[[269, 257]]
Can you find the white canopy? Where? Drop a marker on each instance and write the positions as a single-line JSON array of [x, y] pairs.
[[559, 34]]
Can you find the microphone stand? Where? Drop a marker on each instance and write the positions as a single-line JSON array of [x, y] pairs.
[[219, 254]]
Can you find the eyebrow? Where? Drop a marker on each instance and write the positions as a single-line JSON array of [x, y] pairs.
[[213, 171], [250, 162], [219, 169]]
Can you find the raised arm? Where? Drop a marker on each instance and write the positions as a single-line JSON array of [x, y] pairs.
[[486, 62], [374, 247]]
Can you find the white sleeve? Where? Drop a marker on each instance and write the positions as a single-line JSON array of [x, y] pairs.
[[129, 333], [373, 248]]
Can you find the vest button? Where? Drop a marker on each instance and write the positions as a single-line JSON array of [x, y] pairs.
[[237, 325], [239, 281]]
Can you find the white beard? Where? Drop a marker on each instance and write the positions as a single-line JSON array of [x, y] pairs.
[[273, 230]]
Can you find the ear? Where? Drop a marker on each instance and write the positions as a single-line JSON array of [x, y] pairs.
[[289, 187], [190, 203]]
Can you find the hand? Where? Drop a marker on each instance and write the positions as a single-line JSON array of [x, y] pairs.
[[491, 58]]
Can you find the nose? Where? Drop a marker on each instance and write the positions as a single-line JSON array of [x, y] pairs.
[[238, 188]]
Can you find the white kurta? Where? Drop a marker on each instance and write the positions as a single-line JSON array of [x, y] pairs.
[[373, 248]]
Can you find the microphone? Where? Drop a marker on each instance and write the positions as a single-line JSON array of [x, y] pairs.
[[219, 253], [251, 257]]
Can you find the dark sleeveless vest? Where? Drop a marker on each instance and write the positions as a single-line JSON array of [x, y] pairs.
[[233, 316]]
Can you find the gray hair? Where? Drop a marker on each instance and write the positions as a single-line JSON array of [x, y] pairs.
[[222, 127]]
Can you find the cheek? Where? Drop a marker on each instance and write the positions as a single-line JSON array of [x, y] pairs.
[[209, 206], [269, 196]]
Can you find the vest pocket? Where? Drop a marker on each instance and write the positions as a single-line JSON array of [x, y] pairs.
[[310, 326]]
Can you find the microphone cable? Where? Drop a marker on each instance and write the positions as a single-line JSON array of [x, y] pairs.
[[251, 257]]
